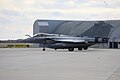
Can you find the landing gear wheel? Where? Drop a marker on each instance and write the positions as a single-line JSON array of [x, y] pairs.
[[85, 48], [43, 49], [70, 49], [80, 49]]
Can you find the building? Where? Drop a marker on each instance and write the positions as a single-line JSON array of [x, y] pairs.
[[15, 45], [105, 29]]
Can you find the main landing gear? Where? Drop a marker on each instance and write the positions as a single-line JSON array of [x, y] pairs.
[[85, 48], [70, 49], [80, 49]]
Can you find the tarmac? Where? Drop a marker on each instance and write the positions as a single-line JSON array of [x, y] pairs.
[[35, 64]]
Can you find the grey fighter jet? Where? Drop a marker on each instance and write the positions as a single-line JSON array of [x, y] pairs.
[[57, 41]]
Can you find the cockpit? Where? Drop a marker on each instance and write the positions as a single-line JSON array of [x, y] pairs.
[[47, 35], [44, 35]]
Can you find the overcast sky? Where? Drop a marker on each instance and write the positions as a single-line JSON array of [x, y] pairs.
[[17, 16]]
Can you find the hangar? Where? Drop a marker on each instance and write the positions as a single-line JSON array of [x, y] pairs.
[[105, 29]]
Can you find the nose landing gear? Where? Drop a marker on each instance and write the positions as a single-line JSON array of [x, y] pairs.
[[43, 49]]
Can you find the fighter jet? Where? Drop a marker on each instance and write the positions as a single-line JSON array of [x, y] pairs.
[[58, 41]]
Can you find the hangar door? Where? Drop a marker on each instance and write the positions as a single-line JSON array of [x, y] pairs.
[[43, 27]]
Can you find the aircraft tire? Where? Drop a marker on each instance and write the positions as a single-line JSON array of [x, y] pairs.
[[70, 49], [43, 49], [85, 48], [80, 49]]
